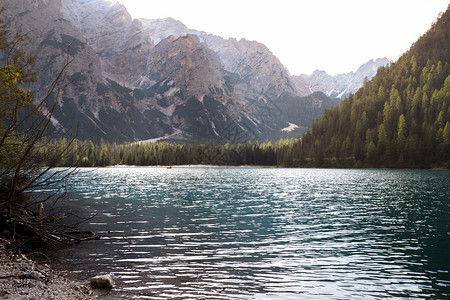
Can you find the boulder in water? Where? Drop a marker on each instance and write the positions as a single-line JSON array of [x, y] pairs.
[[102, 282]]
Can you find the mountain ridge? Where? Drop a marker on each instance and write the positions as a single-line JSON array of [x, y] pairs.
[[340, 85], [129, 86]]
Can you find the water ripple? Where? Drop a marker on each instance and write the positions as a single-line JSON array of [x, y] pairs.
[[250, 233]]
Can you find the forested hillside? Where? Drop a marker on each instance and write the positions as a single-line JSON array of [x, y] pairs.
[[398, 119]]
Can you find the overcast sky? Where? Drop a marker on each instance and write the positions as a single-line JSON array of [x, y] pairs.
[[331, 35]]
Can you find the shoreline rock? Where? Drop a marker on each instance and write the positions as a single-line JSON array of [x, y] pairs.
[[23, 278], [102, 282]]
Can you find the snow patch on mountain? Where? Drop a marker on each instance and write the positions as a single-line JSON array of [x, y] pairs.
[[341, 85], [290, 128]]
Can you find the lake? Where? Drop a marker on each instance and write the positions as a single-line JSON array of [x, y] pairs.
[[264, 233]]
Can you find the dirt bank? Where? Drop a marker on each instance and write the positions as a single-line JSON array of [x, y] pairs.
[[22, 278]]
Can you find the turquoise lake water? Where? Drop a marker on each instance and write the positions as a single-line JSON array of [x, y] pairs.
[[258, 233]]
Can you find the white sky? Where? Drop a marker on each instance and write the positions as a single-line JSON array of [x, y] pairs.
[[332, 35]]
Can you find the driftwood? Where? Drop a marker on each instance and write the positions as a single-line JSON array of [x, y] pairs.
[[81, 236], [28, 226]]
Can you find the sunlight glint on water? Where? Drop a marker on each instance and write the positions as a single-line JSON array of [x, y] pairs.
[[251, 233]]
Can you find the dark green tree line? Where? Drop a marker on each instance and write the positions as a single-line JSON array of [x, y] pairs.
[[89, 154], [398, 119]]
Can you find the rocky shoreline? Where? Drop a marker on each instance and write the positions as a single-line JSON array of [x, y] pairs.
[[22, 278]]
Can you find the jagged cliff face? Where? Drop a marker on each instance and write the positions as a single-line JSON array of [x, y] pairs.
[[252, 61], [160, 29], [119, 41], [339, 86], [141, 79], [195, 69], [99, 107]]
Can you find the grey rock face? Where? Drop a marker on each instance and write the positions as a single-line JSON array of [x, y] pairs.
[[193, 67], [341, 85], [252, 61], [160, 29], [142, 79], [256, 65], [302, 85]]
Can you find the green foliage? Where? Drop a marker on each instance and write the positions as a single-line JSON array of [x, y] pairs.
[[88, 154], [398, 119], [446, 133], [15, 72]]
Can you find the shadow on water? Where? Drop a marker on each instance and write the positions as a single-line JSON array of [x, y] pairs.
[[414, 227], [424, 215]]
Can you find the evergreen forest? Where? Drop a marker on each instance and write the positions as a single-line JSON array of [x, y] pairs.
[[399, 119]]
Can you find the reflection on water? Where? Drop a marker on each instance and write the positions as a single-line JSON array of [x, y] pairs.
[[250, 233]]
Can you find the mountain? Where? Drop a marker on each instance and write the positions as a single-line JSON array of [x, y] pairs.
[[400, 118], [252, 60], [338, 86], [137, 79], [234, 54]]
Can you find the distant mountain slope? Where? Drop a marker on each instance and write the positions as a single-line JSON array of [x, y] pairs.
[[400, 118], [137, 79], [338, 86], [234, 55]]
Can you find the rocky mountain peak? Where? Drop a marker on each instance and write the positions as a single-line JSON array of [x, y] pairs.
[[369, 69], [188, 63], [159, 29], [136, 26], [319, 73], [85, 14], [118, 15], [142, 79], [251, 60], [341, 85]]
